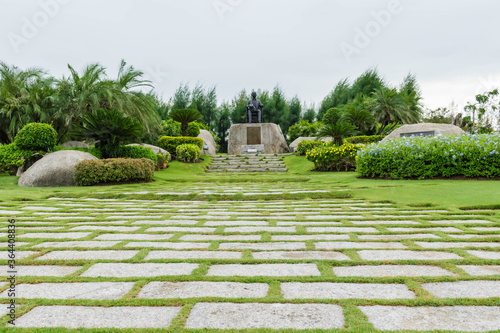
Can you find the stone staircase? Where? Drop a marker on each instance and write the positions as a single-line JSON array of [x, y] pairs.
[[248, 163]]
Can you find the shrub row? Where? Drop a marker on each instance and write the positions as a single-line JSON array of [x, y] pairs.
[[138, 152], [334, 158], [428, 157], [305, 145], [188, 153], [170, 143], [113, 170], [365, 139]]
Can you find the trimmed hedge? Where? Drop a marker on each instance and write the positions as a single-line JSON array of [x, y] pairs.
[[365, 139], [94, 151], [36, 136], [11, 158], [170, 143], [113, 170], [305, 145], [138, 152], [334, 158], [428, 157], [188, 153]]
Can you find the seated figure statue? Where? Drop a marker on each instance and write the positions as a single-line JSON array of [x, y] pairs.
[[254, 106]]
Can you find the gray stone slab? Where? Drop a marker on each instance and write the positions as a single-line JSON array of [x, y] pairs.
[[203, 289], [260, 229], [301, 238], [99, 244], [181, 229], [89, 255], [485, 254], [258, 315], [167, 222], [443, 229], [106, 228], [469, 236], [333, 217], [193, 255], [459, 318], [391, 270], [341, 229], [481, 270], [358, 245], [55, 235], [43, 270], [263, 246], [4, 255], [397, 237], [195, 237], [98, 317], [40, 208], [383, 222], [293, 255], [239, 222], [326, 290], [464, 289], [169, 245], [449, 245], [264, 270], [460, 221], [406, 255], [10, 212], [69, 218], [133, 237], [489, 229], [83, 290], [143, 270]]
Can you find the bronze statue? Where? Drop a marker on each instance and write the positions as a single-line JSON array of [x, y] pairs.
[[254, 106]]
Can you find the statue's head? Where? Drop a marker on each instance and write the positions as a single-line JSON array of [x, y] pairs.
[[254, 94]]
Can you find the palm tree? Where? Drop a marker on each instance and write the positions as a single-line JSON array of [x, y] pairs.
[[337, 131], [358, 114], [185, 116]]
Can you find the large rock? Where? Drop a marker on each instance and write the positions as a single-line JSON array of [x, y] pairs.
[[424, 129], [155, 149], [252, 138], [72, 144], [54, 169], [295, 143], [209, 140]]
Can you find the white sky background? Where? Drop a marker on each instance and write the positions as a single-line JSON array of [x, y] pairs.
[[450, 45]]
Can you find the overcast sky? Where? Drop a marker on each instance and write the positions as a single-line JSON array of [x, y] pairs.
[[305, 46]]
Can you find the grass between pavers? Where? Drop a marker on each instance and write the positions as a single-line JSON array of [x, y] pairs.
[[355, 321]]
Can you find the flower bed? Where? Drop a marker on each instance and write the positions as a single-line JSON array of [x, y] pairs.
[[334, 158]]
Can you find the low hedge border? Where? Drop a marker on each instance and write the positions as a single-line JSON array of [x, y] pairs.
[[170, 143], [113, 170]]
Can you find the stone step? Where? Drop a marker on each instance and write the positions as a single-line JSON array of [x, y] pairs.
[[249, 170], [246, 166]]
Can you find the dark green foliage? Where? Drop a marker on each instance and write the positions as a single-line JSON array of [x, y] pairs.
[[194, 129], [138, 152], [114, 170], [365, 139], [332, 116], [337, 131], [185, 116], [170, 143], [309, 115], [171, 128], [305, 145], [187, 153], [11, 158], [36, 136], [110, 129], [94, 151], [429, 157], [304, 129]]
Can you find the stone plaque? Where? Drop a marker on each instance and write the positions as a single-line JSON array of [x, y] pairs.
[[252, 149], [253, 136], [428, 133]]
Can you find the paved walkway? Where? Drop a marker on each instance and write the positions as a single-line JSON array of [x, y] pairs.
[[322, 264]]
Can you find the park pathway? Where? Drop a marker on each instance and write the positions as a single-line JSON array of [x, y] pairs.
[[341, 264]]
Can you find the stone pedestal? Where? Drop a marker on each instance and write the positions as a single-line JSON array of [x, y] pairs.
[[256, 138]]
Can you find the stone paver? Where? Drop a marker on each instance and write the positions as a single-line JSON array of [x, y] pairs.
[[203, 289], [486, 228], [397, 237], [169, 245], [257, 315], [259, 229], [263, 246], [79, 290], [78, 244], [58, 235], [133, 237], [44, 270], [89, 255], [358, 245], [384, 222], [443, 229], [485, 254], [264, 270], [195, 237], [149, 269], [464, 289], [181, 229], [406, 255], [326, 290], [167, 222], [341, 229], [391, 270], [460, 318], [443, 245], [327, 255], [460, 221], [193, 255], [105, 228], [481, 270], [4, 255], [239, 222], [98, 317], [301, 238]]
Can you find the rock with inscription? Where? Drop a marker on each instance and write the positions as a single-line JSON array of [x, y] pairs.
[[209, 145], [424, 129], [269, 135], [54, 169], [73, 144]]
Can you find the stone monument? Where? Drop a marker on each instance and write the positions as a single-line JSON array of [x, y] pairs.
[[256, 139], [424, 129]]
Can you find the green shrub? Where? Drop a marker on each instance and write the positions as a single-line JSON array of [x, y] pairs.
[[170, 143], [188, 153], [36, 136], [307, 145], [94, 151], [11, 158], [304, 128], [428, 157], [162, 159], [171, 128], [113, 170], [194, 129], [138, 152], [365, 139], [334, 158]]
